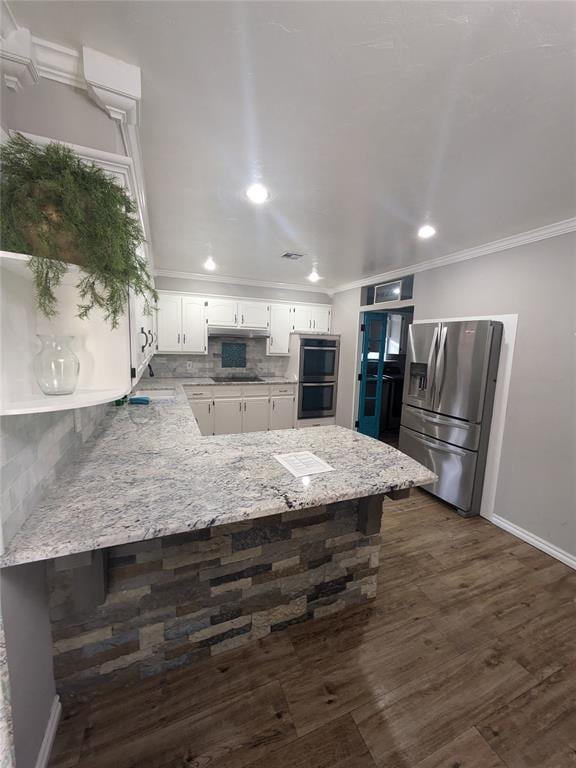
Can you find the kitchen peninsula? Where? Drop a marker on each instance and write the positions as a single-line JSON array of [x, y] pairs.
[[164, 546]]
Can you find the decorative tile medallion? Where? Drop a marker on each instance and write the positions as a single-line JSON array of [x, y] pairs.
[[233, 355]]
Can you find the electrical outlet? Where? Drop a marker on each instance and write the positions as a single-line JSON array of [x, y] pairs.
[[189, 365]]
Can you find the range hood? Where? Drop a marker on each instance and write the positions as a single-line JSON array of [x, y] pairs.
[[246, 333]]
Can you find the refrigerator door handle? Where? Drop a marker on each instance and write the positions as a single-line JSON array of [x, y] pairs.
[[431, 369], [440, 369], [438, 446]]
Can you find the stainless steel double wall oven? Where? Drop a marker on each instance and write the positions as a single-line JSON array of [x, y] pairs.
[[318, 376]]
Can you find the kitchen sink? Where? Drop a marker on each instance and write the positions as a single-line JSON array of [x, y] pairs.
[[235, 379], [156, 394]]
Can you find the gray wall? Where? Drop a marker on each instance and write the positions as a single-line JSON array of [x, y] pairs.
[[61, 112], [230, 289], [536, 481], [346, 322]]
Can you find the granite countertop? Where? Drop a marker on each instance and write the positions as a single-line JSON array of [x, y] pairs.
[[147, 472]]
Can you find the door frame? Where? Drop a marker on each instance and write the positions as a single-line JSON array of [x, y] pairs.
[[367, 318]]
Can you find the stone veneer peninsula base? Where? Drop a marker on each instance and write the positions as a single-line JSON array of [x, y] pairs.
[[174, 600]]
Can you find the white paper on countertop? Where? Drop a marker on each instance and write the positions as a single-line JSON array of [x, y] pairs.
[[302, 463]]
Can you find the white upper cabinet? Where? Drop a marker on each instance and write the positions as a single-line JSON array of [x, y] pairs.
[[183, 321], [321, 315], [279, 341], [253, 314], [315, 318], [194, 326], [182, 324], [222, 313], [169, 322], [301, 318]]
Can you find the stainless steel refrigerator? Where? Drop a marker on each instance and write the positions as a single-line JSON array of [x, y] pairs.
[[449, 386]]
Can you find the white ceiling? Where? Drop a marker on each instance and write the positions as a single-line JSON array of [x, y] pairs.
[[363, 118]]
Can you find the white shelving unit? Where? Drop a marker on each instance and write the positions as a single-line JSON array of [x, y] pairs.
[[104, 353]]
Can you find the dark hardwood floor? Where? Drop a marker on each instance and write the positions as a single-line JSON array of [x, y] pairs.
[[466, 659]]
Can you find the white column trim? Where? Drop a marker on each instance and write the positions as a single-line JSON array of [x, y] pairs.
[[58, 63], [114, 85], [49, 734], [18, 59]]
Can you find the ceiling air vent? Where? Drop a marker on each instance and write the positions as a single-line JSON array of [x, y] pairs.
[[291, 256]]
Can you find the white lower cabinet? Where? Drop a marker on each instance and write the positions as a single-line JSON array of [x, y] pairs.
[[281, 412], [227, 416], [203, 411], [225, 410], [256, 414]]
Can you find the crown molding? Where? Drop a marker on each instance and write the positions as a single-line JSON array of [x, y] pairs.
[[18, 60], [59, 63], [523, 238], [240, 281], [114, 85]]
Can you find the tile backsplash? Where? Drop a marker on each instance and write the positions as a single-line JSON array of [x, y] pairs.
[[34, 448], [258, 363]]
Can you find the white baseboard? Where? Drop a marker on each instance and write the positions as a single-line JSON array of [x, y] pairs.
[[49, 734], [535, 541]]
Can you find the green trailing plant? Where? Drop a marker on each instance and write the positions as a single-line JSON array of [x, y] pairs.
[[62, 210]]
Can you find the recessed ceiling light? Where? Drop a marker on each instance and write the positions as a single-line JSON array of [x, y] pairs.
[[426, 231], [210, 264], [257, 193], [314, 276]]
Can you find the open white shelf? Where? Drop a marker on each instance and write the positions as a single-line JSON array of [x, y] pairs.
[[104, 353], [80, 399]]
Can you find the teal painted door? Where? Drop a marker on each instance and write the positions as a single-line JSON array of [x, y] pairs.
[[371, 372]]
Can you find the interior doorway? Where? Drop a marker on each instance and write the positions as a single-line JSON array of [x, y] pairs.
[[383, 359]]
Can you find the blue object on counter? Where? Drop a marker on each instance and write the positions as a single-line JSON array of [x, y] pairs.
[[139, 400]]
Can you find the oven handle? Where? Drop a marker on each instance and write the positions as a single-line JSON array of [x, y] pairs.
[[318, 384], [323, 349]]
